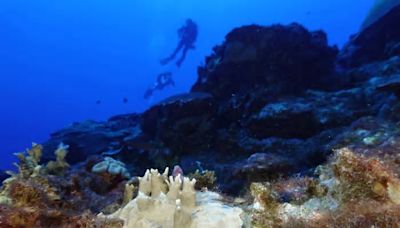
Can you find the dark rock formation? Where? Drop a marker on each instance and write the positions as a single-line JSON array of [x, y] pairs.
[[277, 119], [184, 123], [391, 85], [261, 166], [93, 138], [281, 59], [377, 42]]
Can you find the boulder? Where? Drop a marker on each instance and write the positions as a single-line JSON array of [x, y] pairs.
[[92, 138], [263, 166], [183, 123], [283, 59], [379, 41], [291, 119]]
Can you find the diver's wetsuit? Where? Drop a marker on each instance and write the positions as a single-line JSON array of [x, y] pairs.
[[163, 80], [188, 36]]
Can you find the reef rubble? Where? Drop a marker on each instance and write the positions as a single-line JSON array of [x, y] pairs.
[[290, 131]]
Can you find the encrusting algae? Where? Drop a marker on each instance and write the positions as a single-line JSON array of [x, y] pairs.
[[39, 196], [353, 189]]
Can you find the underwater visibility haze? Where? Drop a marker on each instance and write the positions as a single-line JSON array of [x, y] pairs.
[[189, 113]]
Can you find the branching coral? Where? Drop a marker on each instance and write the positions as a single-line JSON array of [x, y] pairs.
[[173, 202], [352, 190], [59, 166], [29, 187], [28, 164], [43, 197]]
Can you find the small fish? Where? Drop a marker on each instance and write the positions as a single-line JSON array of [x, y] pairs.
[[125, 100], [98, 102]]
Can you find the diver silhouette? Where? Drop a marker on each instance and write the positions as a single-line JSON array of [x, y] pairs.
[[187, 35], [163, 80]]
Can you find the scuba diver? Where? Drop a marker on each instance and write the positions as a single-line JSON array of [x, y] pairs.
[[187, 35], [163, 80]]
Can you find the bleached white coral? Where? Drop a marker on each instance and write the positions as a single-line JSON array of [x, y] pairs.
[[172, 202]]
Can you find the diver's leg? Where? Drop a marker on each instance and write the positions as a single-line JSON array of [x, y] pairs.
[[184, 52], [173, 55]]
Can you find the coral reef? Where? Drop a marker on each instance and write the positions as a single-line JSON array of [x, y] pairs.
[[297, 135], [361, 178], [267, 125], [351, 189], [53, 195], [283, 59], [173, 202], [29, 165]]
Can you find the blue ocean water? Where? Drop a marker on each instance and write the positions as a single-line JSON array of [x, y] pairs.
[[58, 58]]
